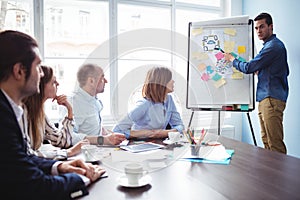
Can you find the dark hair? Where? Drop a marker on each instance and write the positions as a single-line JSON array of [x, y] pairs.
[[266, 16], [16, 47]]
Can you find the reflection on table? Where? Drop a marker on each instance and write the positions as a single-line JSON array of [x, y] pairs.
[[253, 173]]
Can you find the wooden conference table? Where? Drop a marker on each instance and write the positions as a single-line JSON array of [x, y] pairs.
[[253, 173]]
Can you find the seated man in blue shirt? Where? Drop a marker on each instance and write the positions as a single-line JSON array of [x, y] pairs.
[[272, 88], [87, 107], [155, 111]]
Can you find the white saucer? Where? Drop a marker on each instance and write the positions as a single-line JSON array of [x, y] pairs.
[[123, 181], [167, 141]]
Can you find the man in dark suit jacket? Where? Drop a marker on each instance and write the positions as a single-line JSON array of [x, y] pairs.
[[25, 176]]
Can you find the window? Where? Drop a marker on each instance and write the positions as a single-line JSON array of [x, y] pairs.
[[73, 31], [203, 2], [17, 15], [148, 21], [124, 37]]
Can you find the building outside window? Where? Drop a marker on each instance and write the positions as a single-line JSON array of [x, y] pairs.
[[17, 15]]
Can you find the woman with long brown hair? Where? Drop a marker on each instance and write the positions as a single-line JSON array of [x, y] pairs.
[[40, 129]]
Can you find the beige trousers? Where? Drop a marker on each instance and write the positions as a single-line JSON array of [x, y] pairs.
[[270, 113]]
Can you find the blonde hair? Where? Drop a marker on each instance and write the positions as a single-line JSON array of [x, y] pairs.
[[155, 85]]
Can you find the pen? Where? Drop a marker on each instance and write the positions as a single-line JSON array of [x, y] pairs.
[[193, 132], [219, 49], [191, 136], [188, 136], [203, 133], [214, 143]]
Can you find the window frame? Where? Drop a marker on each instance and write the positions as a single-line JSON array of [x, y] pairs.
[[113, 30]]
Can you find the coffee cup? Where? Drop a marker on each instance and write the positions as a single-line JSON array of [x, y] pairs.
[[89, 152], [134, 172], [174, 136]]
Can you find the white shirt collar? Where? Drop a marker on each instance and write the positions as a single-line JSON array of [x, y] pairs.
[[18, 110]]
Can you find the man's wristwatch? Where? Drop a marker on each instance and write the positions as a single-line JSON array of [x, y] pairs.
[[100, 140]]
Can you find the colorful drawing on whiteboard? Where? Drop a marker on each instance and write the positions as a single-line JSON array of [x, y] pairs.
[[213, 66], [218, 70], [210, 42]]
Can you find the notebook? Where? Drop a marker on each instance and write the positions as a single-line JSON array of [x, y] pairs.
[[142, 147]]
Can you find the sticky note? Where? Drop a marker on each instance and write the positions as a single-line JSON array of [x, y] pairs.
[[197, 31], [220, 82], [195, 54], [201, 66], [199, 55], [229, 46], [205, 77], [209, 69], [219, 56], [235, 70], [216, 77], [237, 76], [230, 31], [241, 49]]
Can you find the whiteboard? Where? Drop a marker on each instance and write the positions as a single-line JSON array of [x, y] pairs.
[[212, 83]]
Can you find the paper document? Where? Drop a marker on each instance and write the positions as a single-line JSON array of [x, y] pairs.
[[209, 154], [213, 152]]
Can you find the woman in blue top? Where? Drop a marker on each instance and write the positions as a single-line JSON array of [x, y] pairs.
[[153, 113]]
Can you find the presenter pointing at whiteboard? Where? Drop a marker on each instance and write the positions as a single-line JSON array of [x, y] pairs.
[[272, 69]]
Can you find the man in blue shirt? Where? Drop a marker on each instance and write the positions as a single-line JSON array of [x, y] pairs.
[[87, 107], [272, 88]]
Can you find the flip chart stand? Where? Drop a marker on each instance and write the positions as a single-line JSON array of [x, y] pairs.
[[250, 124], [219, 124]]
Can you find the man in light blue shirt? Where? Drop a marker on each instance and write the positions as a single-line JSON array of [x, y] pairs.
[[87, 108], [87, 111]]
